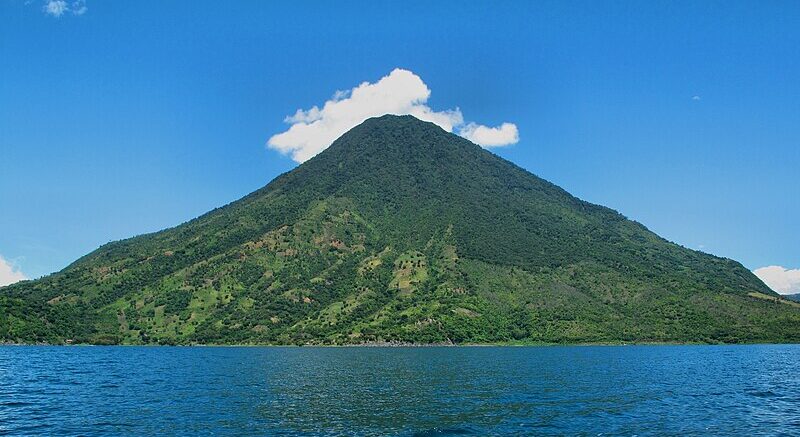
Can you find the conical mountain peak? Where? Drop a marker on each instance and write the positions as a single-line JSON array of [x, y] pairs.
[[393, 136], [399, 231]]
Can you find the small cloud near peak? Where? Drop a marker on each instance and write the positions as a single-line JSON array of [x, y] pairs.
[[401, 92], [491, 136], [9, 274], [780, 279]]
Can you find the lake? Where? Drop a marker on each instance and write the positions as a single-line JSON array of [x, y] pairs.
[[427, 391]]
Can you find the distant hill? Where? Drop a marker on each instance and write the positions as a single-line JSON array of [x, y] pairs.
[[399, 231], [794, 297]]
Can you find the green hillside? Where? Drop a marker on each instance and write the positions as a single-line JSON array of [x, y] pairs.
[[399, 231]]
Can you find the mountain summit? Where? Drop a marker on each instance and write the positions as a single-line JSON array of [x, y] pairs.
[[399, 231]]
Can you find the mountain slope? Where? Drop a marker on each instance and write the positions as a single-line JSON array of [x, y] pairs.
[[399, 231]]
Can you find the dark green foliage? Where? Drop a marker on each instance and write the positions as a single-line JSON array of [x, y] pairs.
[[400, 232]]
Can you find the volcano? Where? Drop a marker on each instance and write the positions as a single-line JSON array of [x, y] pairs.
[[399, 232]]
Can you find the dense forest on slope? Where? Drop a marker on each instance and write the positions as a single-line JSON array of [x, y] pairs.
[[399, 231]]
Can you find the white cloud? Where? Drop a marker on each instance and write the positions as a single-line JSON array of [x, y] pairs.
[[696, 98], [79, 7], [401, 92], [8, 273], [58, 8], [491, 136], [780, 279]]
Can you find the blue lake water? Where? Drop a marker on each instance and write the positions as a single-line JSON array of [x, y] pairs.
[[626, 390]]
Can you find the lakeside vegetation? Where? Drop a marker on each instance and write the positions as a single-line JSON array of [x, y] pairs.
[[400, 232]]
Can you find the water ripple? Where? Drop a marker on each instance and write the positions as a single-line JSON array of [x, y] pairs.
[[641, 390]]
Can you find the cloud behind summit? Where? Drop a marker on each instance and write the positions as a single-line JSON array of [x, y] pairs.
[[401, 92]]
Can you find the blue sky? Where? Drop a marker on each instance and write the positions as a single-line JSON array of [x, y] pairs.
[[121, 118]]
